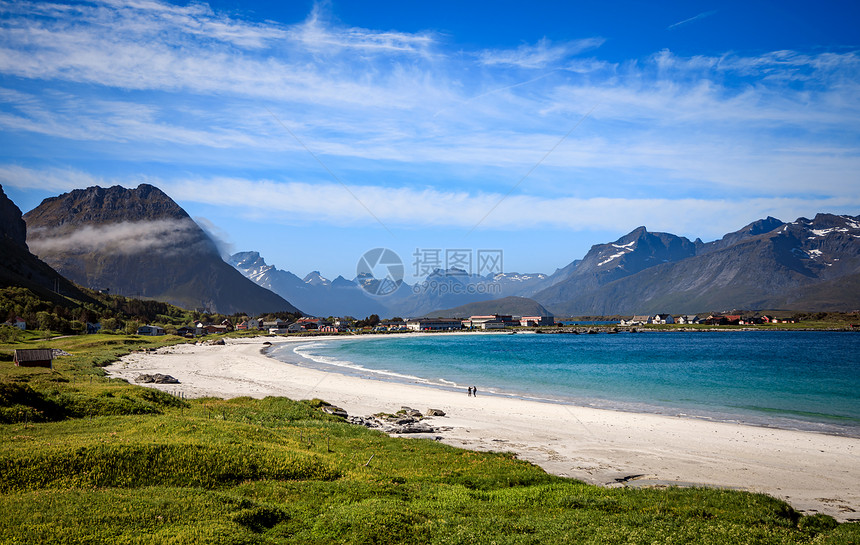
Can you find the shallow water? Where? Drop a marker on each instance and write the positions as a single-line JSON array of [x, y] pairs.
[[794, 380]]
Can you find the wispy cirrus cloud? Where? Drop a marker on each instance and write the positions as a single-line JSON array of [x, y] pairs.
[[296, 203], [543, 54]]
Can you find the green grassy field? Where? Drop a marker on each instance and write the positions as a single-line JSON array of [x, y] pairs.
[[85, 459]]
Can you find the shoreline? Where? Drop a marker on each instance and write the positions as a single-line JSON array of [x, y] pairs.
[[814, 472], [300, 358]]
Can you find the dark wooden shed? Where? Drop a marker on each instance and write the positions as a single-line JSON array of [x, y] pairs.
[[34, 357]]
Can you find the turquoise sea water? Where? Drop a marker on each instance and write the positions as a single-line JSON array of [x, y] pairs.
[[795, 380]]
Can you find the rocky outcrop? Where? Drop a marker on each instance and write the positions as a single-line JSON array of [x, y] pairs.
[[12, 226], [156, 378], [20, 268], [404, 421]]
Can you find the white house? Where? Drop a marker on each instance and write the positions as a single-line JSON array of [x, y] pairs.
[[688, 319], [662, 319]]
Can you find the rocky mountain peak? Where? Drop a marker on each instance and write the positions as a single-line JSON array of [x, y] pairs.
[[315, 278], [96, 205], [247, 260], [140, 242]]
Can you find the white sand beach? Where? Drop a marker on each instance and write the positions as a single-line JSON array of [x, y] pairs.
[[815, 473]]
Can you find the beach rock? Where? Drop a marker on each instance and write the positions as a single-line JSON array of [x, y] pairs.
[[367, 422], [157, 378], [336, 411], [415, 427], [435, 412]]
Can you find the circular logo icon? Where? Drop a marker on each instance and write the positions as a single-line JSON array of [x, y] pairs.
[[379, 271]]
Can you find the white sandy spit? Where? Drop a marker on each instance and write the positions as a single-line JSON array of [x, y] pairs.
[[815, 473]]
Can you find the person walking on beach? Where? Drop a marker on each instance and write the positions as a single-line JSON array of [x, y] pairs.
[[469, 389], [474, 391]]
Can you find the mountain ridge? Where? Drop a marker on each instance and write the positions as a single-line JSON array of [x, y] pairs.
[[768, 264], [140, 242]]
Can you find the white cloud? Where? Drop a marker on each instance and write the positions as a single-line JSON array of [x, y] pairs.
[[320, 36], [122, 238], [540, 55]]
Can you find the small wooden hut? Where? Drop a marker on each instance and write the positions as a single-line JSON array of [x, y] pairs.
[[34, 357]]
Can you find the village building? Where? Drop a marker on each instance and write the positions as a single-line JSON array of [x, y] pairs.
[[535, 321], [715, 319], [688, 319], [34, 357], [434, 324], [17, 322], [309, 322], [662, 319], [249, 324], [150, 330], [491, 321], [276, 324], [483, 323], [636, 320]]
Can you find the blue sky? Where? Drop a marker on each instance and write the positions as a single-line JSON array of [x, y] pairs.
[[314, 131]]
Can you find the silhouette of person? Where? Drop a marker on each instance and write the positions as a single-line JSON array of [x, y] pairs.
[[474, 391], [469, 389]]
